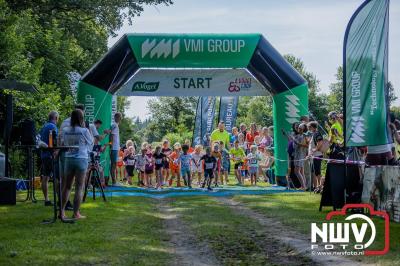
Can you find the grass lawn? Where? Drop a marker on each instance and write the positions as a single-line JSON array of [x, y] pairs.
[[299, 210], [129, 231], [123, 231]]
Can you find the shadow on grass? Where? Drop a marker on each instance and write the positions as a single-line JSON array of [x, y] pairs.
[[122, 232]]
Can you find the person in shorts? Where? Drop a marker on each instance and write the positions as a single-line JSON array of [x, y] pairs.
[[159, 162], [197, 168], [210, 166], [140, 163], [184, 160], [253, 158], [148, 167], [217, 154], [166, 150], [314, 147], [237, 154], [174, 166], [46, 156], [129, 161], [115, 147], [225, 163]]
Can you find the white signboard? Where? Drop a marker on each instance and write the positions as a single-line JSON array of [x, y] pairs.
[[192, 82]]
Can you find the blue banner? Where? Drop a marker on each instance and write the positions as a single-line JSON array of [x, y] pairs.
[[228, 111], [204, 122]]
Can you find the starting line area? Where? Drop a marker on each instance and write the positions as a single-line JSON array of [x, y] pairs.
[[222, 191]]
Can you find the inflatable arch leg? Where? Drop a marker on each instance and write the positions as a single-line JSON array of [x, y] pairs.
[[288, 107], [98, 105]]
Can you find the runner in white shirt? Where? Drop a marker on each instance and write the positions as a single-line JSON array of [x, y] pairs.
[[114, 139]]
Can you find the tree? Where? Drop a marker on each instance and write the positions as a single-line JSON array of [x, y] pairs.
[[335, 97], [170, 114], [317, 103]]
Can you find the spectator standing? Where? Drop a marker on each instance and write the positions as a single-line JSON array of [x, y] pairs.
[[251, 135], [266, 139], [50, 127], [76, 160], [314, 147], [115, 146], [220, 134]]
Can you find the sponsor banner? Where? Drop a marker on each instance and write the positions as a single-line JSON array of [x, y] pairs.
[[365, 70], [193, 82], [193, 50], [228, 111], [204, 122]]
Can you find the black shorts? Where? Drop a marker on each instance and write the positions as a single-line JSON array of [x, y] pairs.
[[148, 171], [166, 165], [208, 173], [130, 169], [47, 167], [237, 165], [317, 165], [159, 166]]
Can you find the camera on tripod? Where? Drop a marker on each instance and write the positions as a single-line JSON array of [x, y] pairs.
[[94, 157]]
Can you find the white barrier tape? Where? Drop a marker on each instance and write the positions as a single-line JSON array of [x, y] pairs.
[[322, 159]]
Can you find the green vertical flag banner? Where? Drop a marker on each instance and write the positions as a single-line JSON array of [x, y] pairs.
[[98, 104], [365, 75], [295, 103]]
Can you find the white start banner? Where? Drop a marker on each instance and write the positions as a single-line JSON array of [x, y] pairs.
[[192, 82]]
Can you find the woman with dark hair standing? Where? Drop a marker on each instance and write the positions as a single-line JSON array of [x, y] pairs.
[[76, 160]]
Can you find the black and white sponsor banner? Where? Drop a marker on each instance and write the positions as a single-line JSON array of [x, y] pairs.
[[192, 82], [228, 111], [204, 122]]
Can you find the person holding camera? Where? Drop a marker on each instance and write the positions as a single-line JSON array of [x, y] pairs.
[[76, 160]]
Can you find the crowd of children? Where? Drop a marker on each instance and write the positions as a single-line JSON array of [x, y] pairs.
[[198, 166]]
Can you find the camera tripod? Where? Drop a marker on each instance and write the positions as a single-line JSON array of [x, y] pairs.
[[93, 178]]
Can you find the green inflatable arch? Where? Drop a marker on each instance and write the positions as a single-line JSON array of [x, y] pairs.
[[197, 65]]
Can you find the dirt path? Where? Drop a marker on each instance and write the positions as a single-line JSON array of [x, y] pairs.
[[185, 247], [285, 236]]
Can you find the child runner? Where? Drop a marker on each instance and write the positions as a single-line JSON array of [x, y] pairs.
[[242, 142], [253, 158], [217, 154], [225, 163], [175, 171], [140, 162], [185, 159], [237, 155], [165, 170], [210, 166], [129, 161], [159, 159], [149, 167], [197, 168]]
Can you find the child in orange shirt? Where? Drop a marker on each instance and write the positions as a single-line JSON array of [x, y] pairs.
[[174, 165]]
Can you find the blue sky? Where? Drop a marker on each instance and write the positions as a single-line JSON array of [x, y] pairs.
[[312, 30]]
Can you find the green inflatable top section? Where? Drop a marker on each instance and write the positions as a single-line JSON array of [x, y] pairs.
[[193, 50]]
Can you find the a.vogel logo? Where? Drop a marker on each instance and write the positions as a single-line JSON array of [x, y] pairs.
[[160, 48], [292, 114], [145, 86], [335, 236]]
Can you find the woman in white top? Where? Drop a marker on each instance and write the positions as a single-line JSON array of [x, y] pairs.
[[76, 160]]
